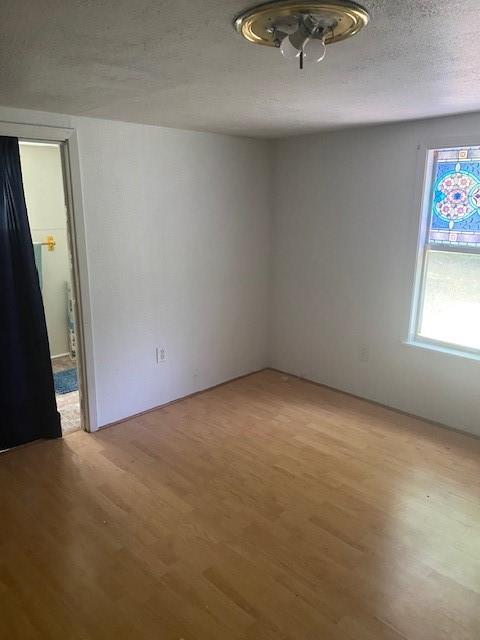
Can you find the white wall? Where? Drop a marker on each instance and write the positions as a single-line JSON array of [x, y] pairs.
[[177, 230], [43, 186], [345, 235], [178, 248]]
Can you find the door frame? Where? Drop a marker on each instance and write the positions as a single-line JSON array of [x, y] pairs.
[[68, 142]]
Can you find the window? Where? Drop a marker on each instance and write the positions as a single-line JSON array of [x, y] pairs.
[[447, 296]]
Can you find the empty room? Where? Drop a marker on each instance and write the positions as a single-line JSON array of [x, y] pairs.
[[239, 320]]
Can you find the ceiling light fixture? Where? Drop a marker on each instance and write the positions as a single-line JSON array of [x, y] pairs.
[[301, 30]]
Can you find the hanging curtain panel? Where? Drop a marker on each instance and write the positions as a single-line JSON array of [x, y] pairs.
[[28, 409]]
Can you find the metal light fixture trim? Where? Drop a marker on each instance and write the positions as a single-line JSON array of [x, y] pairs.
[[346, 18]]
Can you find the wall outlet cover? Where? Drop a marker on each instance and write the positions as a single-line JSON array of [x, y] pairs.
[[160, 354]]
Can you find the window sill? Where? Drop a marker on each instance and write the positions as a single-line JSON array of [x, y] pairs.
[[449, 351]]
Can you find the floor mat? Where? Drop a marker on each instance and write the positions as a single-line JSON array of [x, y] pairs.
[[65, 381]]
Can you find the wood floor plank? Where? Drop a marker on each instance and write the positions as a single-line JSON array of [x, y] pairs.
[[265, 508]]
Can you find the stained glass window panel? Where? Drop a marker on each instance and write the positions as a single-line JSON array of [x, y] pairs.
[[455, 202]]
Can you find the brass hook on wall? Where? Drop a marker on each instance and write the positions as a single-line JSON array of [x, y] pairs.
[[49, 242]]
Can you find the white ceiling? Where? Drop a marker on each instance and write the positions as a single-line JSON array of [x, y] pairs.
[[179, 63]]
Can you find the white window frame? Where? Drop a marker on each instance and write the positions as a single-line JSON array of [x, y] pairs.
[[425, 161]]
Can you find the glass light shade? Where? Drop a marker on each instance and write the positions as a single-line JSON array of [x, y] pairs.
[[288, 50], [314, 50]]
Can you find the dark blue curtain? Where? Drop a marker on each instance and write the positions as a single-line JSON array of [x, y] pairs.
[[28, 409]]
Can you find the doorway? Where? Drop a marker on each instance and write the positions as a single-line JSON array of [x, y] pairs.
[[44, 182]]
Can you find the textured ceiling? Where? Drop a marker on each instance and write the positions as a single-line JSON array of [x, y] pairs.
[[179, 63]]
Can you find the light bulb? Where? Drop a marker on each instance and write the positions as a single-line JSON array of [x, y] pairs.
[[314, 50], [288, 50]]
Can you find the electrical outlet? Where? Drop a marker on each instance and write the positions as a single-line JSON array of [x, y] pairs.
[[363, 353], [160, 355]]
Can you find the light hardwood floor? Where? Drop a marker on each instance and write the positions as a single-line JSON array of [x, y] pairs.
[[264, 509]]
